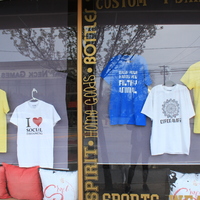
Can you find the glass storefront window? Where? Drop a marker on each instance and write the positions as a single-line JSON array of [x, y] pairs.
[[37, 62], [38, 76], [139, 67], [115, 85]]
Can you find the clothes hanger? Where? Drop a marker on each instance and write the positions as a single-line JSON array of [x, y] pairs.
[[33, 98], [169, 82]]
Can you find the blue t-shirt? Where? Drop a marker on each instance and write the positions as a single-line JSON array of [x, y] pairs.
[[128, 78]]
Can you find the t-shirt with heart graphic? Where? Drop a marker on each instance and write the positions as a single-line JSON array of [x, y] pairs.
[[35, 133]]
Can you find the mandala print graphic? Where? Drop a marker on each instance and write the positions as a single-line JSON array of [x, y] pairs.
[[170, 108]]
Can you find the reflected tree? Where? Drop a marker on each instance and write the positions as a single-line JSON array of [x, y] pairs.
[[122, 39], [60, 43], [40, 45]]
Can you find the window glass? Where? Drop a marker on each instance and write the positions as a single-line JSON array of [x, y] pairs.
[[38, 85], [141, 60]]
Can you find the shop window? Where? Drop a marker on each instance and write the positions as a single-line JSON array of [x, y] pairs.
[[38, 77], [140, 55]]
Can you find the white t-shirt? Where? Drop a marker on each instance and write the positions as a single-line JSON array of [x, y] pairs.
[[35, 135], [170, 109]]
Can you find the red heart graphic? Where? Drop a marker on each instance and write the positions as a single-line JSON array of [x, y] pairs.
[[37, 121]]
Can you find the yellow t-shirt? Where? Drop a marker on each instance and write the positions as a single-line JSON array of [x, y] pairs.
[[4, 108], [191, 79]]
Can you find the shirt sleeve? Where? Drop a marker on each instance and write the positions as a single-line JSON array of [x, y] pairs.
[[147, 77], [191, 75], [56, 117], [5, 103], [188, 102], [14, 117], [107, 73], [148, 106]]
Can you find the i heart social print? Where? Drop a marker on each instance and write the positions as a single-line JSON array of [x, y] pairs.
[[37, 121]]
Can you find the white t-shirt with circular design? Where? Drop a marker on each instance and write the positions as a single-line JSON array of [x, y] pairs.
[[170, 109]]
